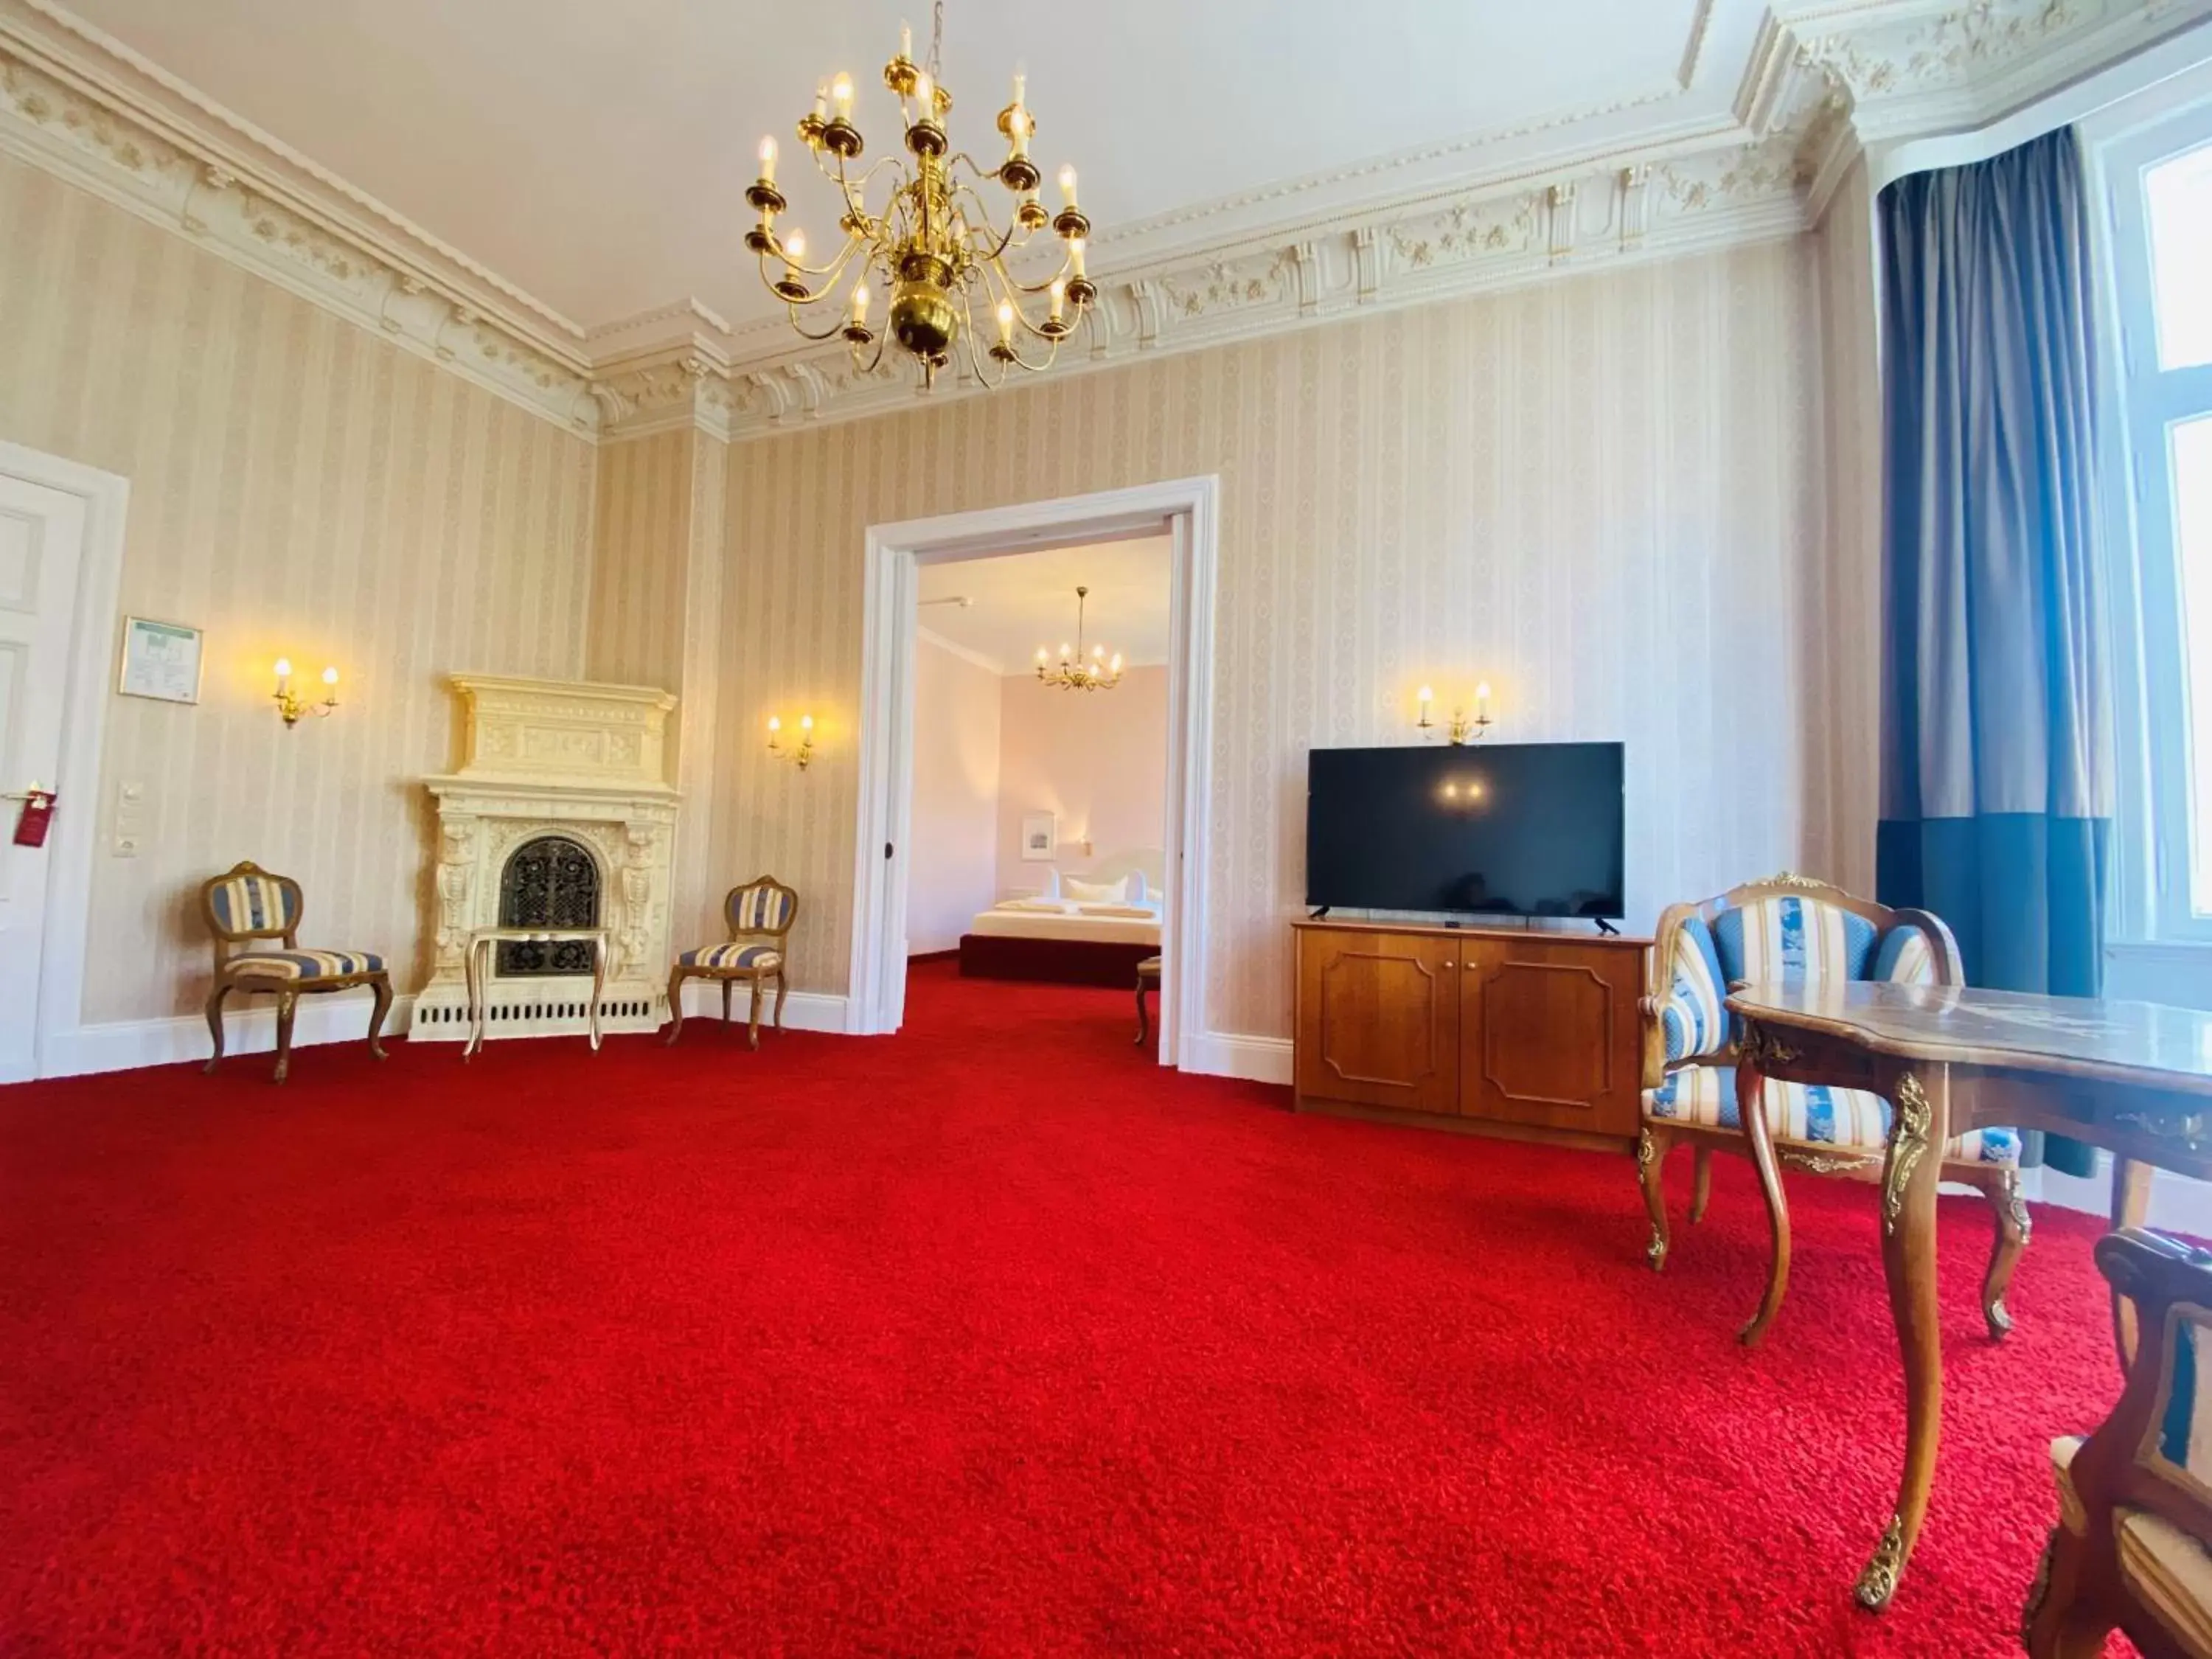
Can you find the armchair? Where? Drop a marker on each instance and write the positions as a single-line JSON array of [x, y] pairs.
[[2135, 1499], [1790, 928]]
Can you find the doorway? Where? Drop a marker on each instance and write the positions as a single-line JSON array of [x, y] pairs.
[[61, 558], [1187, 511]]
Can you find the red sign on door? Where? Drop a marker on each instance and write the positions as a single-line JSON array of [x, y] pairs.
[[37, 816]]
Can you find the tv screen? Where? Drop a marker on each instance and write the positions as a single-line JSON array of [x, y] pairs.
[[1509, 829]]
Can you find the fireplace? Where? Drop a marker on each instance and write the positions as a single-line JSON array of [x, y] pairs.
[[558, 817], [551, 881]]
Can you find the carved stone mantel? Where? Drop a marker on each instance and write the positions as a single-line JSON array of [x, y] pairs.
[[556, 757]]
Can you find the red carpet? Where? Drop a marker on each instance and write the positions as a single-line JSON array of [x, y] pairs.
[[988, 1338]]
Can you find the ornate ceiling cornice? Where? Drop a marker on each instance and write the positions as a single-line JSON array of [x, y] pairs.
[[1824, 81]]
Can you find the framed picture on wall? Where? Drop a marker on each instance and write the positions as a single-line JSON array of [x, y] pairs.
[[1039, 842], [161, 660]]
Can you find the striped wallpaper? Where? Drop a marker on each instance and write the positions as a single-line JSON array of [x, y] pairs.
[[297, 487], [1604, 496]]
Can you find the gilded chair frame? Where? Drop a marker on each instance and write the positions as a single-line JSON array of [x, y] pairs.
[[2080, 1593], [754, 976], [1998, 1183], [288, 992]]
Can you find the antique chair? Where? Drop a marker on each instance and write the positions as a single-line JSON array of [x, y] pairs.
[[1791, 928], [760, 915], [2133, 1546], [245, 904]]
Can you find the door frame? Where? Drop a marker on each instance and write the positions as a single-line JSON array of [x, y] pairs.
[[884, 812], [62, 947]]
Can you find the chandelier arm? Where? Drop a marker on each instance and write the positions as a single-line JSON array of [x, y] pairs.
[[1013, 226], [855, 191], [806, 333], [874, 362], [968, 333], [829, 272]]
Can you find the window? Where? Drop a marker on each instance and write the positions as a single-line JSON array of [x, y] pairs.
[[2160, 185]]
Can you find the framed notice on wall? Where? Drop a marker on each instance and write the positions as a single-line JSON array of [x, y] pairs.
[[1037, 837], [161, 660]]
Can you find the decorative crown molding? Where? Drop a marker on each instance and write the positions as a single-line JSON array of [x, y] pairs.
[[1569, 192]]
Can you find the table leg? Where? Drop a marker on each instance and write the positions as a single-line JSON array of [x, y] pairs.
[[1919, 1126], [2130, 1208], [472, 977], [599, 983], [1750, 1113]]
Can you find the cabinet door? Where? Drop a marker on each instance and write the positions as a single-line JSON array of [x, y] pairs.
[[1378, 1019], [1548, 1034]]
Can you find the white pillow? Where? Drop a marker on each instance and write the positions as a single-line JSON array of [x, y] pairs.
[[1095, 892]]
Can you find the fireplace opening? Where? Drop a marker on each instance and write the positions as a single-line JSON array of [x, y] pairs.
[[550, 881]]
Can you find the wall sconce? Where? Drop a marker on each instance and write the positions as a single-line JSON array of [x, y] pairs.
[[290, 705], [799, 756], [1463, 729]]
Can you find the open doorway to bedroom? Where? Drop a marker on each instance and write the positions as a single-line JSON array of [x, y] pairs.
[[1037, 850], [1185, 513]]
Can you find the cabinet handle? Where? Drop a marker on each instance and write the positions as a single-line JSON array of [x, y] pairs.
[[1448, 962]]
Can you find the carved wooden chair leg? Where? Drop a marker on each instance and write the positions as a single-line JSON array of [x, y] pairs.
[[2059, 1623], [1651, 1148], [783, 990], [2012, 1229], [1751, 1105], [287, 1006], [675, 1005], [382, 986], [214, 1023], [753, 1032], [1701, 1185], [2130, 1208], [725, 999]]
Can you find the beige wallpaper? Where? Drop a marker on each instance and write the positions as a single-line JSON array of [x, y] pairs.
[[298, 487], [1602, 495]]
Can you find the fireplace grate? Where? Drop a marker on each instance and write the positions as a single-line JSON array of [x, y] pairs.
[[549, 882]]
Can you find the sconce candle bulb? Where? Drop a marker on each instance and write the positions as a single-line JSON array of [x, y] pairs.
[[799, 756], [291, 706]]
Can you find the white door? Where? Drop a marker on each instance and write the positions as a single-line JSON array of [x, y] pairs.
[[41, 547]]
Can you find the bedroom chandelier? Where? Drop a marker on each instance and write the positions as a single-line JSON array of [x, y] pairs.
[[1075, 672], [933, 244]]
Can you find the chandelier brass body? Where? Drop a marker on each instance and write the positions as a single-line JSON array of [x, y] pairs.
[[932, 244]]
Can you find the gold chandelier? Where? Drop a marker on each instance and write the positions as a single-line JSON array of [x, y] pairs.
[[933, 244], [1075, 672]]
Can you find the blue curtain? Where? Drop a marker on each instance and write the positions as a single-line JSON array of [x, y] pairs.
[[1997, 747]]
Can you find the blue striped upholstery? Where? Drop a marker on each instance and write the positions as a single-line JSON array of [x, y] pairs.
[[1789, 937], [1693, 1020], [252, 904], [1906, 957], [759, 910], [1806, 1112], [303, 964], [719, 957]]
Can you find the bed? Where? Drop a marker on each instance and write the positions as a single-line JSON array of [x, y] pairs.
[[1091, 929]]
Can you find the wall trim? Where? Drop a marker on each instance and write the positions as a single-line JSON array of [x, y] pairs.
[[806, 1011], [127, 1045], [1228, 1054], [1565, 194], [966, 653]]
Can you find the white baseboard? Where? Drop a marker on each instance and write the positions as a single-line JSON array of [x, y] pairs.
[[1227, 1053], [806, 1011], [248, 1028]]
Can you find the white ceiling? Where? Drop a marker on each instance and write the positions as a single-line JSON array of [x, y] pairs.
[[596, 154], [1024, 600]]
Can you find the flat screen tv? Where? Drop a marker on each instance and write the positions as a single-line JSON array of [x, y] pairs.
[[1503, 830]]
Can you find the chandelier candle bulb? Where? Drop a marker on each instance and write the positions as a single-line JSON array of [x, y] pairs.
[[841, 94], [1005, 322], [1075, 256], [861, 303], [1058, 296], [924, 98], [767, 160], [1067, 187], [906, 39]]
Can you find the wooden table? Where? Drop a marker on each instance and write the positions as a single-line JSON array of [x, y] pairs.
[[2133, 1078], [476, 972]]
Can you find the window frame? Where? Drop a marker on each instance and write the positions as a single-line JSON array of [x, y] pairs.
[[2152, 861]]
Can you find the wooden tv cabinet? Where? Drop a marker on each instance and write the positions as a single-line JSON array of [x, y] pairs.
[[1532, 1034]]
